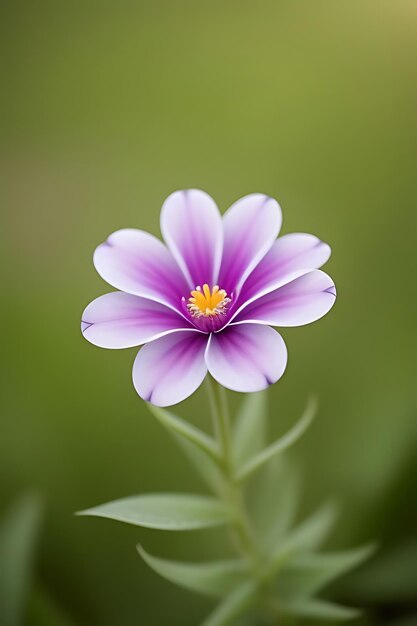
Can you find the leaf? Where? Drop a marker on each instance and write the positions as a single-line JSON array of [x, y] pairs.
[[272, 501], [204, 465], [164, 511], [216, 578], [311, 533], [191, 433], [319, 609], [233, 605], [308, 536], [281, 444], [249, 433], [309, 573], [18, 535]]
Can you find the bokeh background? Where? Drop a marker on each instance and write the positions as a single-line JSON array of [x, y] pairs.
[[107, 108]]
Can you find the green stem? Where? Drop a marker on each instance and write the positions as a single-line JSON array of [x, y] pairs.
[[221, 423], [232, 492], [233, 495]]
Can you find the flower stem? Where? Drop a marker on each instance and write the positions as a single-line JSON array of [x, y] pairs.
[[221, 423], [232, 491]]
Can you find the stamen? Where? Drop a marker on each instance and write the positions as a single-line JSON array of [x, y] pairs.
[[208, 303]]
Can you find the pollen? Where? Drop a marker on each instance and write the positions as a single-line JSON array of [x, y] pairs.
[[208, 302]]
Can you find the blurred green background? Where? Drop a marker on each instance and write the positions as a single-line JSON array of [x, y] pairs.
[[107, 108]]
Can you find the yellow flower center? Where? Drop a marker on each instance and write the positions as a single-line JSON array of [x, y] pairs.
[[208, 303]]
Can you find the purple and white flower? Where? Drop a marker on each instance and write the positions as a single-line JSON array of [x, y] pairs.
[[205, 301]]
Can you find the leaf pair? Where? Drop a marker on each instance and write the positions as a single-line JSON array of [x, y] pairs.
[[309, 573], [248, 437], [298, 580]]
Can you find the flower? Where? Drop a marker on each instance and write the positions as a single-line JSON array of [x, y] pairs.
[[205, 301]]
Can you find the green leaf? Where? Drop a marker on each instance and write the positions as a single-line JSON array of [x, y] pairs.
[[311, 533], [191, 433], [216, 578], [307, 574], [308, 536], [319, 609], [249, 433], [281, 444], [204, 464], [233, 605], [273, 497], [164, 511], [18, 535]]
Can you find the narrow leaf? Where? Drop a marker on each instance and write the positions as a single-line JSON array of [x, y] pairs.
[[319, 609], [249, 436], [308, 536], [233, 605], [281, 444], [311, 533], [273, 496], [307, 574], [216, 578], [186, 430], [18, 535], [164, 511], [205, 466]]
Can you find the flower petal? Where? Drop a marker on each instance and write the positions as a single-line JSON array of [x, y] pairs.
[[139, 263], [192, 228], [290, 256], [246, 358], [251, 225], [302, 301], [121, 320], [170, 369]]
